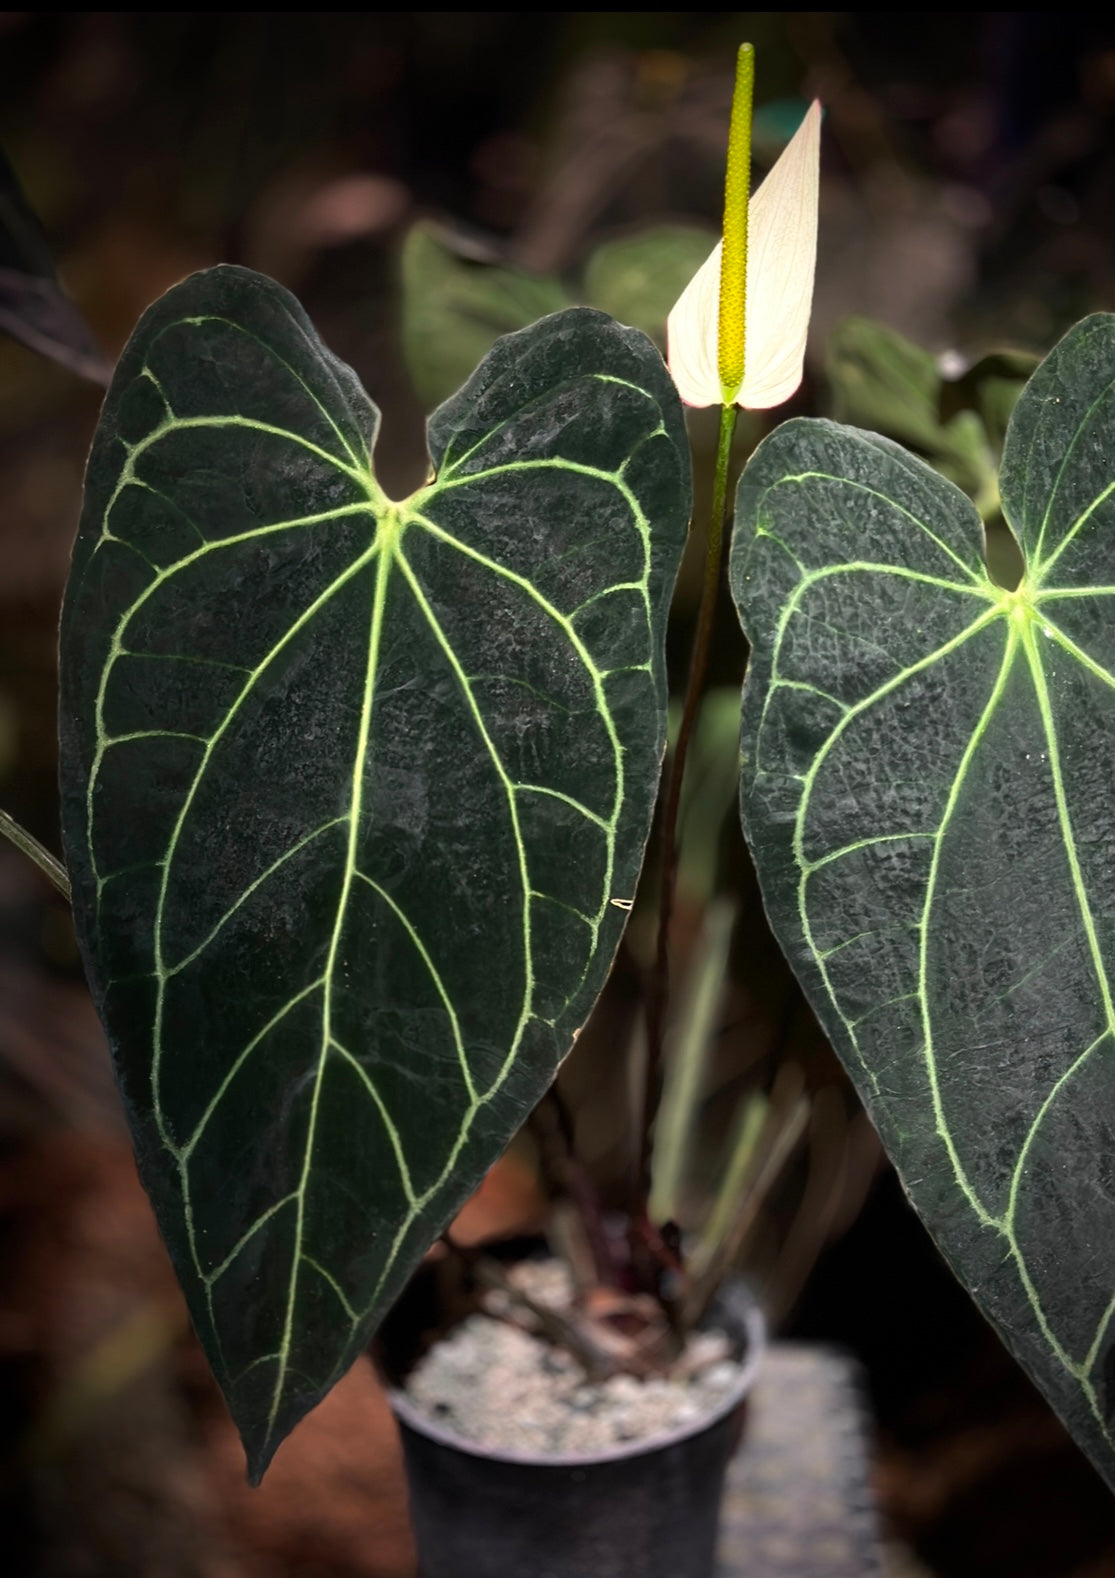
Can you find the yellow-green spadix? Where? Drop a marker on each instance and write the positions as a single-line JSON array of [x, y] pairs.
[[781, 261]]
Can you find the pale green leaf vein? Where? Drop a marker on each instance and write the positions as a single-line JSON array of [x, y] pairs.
[[434, 974]]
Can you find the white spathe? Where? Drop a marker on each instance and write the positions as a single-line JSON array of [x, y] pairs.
[[781, 263]]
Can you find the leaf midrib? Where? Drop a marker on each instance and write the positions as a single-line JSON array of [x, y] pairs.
[[384, 565]]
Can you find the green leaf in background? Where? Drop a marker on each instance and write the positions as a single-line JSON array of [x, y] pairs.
[[990, 387], [455, 308], [355, 792], [639, 278], [929, 791], [882, 381], [455, 305]]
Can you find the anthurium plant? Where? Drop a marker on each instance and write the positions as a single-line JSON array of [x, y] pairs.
[[356, 791]]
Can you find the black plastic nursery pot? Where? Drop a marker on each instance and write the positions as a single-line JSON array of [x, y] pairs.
[[647, 1509]]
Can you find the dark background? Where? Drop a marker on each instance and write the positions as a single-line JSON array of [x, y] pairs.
[[968, 200]]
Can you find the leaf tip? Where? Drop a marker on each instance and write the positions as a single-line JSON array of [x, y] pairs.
[[260, 1447]]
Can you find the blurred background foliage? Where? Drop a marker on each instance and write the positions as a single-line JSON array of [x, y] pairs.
[[425, 182]]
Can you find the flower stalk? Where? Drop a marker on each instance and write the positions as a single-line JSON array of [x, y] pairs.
[[736, 337]]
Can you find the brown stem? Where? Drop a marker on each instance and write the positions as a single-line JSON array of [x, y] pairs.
[[25, 841], [488, 1272], [552, 1124]]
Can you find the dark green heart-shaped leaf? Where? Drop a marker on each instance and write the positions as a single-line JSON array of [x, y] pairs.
[[929, 790], [355, 792]]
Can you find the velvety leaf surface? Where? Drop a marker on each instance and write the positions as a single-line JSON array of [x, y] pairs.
[[355, 792], [929, 791]]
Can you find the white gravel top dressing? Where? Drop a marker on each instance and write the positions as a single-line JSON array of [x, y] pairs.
[[497, 1385]]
